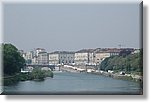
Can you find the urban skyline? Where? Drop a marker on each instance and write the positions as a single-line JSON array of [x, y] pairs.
[[83, 56]]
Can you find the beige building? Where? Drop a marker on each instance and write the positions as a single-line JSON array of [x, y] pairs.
[[85, 56], [100, 56], [104, 53]]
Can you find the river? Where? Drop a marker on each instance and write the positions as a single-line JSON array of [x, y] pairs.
[[74, 83]]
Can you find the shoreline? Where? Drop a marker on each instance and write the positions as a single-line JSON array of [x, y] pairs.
[[9, 80], [129, 77]]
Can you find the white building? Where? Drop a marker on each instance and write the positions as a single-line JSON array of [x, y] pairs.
[[42, 58], [59, 57], [35, 60], [53, 58], [29, 55], [38, 50], [66, 57]]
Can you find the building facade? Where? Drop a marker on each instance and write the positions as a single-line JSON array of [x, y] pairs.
[[61, 57], [83, 57], [53, 58], [66, 57], [35, 60], [38, 50], [100, 56], [42, 58]]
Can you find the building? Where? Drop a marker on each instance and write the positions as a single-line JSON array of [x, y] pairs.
[[84, 56], [126, 51], [28, 56], [66, 57], [53, 58], [35, 60], [37, 50], [101, 54], [42, 58], [33, 57], [61, 57]]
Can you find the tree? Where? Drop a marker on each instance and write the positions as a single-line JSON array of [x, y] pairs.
[[128, 63], [12, 60]]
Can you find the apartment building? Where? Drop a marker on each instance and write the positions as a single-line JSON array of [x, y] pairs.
[[61, 57], [84, 56]]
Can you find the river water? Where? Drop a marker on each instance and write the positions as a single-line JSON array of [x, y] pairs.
[[74, 83]]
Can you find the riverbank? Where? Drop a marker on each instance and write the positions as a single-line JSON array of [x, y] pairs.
[[117, 75], [65, 69], [129, 77], [36, 75]]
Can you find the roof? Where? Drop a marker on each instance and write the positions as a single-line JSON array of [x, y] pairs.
[[40, 49], [43, 52], [62, 52], [85, 51], [112, 50]]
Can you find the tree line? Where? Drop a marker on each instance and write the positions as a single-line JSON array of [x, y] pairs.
[[12, 64], [12, 59], [129, 63]]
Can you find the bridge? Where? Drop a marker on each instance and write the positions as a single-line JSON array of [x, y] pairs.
[[52, 67]]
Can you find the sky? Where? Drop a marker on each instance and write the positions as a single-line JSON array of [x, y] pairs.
[[70, 26]]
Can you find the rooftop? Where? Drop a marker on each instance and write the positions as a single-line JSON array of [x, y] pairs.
[[40, 49], [85, 51], [62, 52], [43, 52]]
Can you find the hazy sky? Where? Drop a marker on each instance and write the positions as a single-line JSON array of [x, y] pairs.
[[71, 26]]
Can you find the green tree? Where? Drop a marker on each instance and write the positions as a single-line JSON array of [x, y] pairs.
[[12, 60], [128, 63]]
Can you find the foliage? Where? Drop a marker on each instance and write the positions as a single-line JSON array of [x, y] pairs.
[[129, 63], [40, 74], [12, 60], [36, 74]]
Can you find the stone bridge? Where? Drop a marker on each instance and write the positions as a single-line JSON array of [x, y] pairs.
[[52, 67]]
